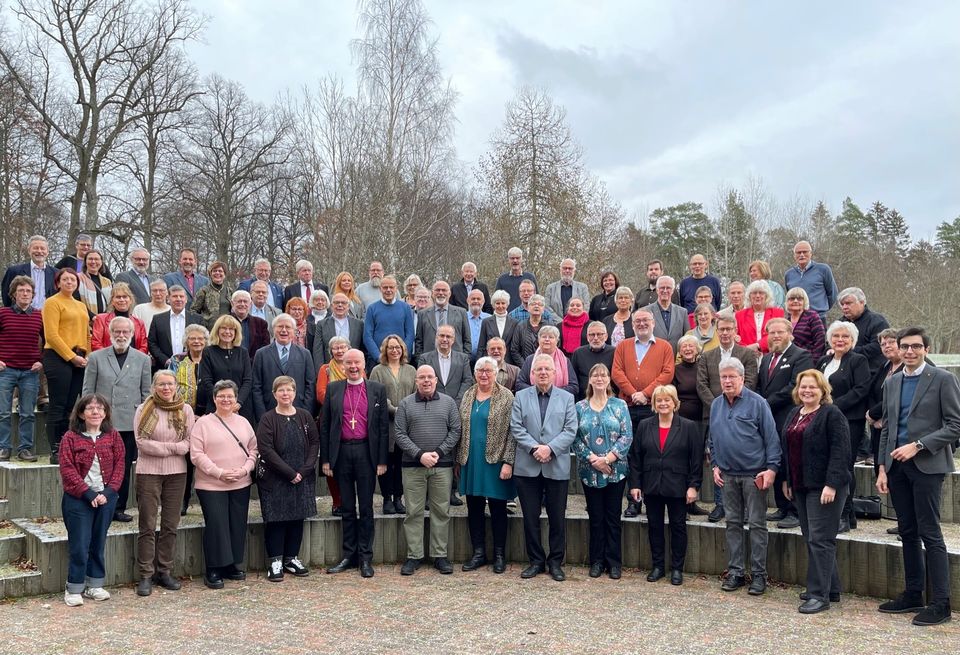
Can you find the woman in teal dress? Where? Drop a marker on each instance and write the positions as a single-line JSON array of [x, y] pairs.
[[603, 440], [486, 454]]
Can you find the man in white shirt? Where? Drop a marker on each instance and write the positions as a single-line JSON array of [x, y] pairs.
[[158, 304]]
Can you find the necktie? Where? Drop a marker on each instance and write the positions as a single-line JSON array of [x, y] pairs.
[[308, 290], [773, 363], [284, 356], [442, 319]]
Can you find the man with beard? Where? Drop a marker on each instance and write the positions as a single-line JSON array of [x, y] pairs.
[[559, 293], [137, 276], [186, 276], [597, 351], [648, 295], [369, 292]]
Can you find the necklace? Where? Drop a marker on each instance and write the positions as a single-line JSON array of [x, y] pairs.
[[801, 416], [353, 410]]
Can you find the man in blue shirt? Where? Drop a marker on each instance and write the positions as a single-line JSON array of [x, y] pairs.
[[475, 316], [385, 317], [813, 277]]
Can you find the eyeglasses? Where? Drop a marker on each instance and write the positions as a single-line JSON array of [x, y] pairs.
[[916, 347]]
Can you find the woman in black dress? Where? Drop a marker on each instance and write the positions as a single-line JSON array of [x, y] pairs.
[[288, 443], [226, 359]]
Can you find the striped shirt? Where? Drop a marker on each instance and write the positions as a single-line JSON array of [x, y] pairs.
[[21, 333]]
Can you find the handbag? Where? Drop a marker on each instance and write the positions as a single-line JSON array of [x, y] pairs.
[[867, 507], [258, 468]]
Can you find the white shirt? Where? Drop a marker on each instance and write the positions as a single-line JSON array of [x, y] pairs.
[[444, 366], [178, 324], [501, 322], [342, 326]]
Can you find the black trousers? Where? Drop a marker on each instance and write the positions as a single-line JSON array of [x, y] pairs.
[[857, 428], [533, 492], [819, 524], [916, 498], [638, 413], [188, 488], [783, 504], [357, 477], [676, 509], [391, 482], [603, 511], [64, 383], [477, 521], [283, 538], [225, 533], [129, 457]]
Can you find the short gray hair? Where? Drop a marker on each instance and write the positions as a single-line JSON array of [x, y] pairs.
[[537, 298], [542, 358], [838, 326], [286, 318], [513, 252], [500, 294], [856, 292], [485, 361], [240, 293], [116, 319], [226, 384], [761, 285], [673, 283], [548, 330], [731, 364], [303, 263], [687, 338]]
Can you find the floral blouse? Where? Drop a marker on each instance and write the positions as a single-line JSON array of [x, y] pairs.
[[599, 433]]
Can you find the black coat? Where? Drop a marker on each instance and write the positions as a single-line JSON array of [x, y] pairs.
[[488, 330], [276, 470], [850, 384], [378, 423], [869, 325], [293, 291], [671, 472], [825, 452], [158, 339], [602, 305], [778, 388], [218, 364], [627, 327], [458, 295]]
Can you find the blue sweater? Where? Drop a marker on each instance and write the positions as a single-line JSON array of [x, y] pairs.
[[743, 436], [817, 280], [382, 320], [688, 291]]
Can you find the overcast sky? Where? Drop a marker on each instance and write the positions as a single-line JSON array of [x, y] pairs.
[[672, 99]]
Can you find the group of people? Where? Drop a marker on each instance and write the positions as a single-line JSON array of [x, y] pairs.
[[462, 390]]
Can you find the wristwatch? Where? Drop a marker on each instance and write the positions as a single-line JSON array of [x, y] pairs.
[[919, 445]]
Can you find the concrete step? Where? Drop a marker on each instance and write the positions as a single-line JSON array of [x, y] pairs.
[[17, 583], [12, 542]]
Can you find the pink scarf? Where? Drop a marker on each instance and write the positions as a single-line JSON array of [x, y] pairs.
[[560, 365]]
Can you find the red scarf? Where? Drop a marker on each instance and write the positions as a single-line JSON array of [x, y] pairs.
[[570, 330]]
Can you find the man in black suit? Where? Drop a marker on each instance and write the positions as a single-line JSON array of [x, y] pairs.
[[36, 269], [460, 292], [776, 379], [138, 276], [353, 448], [165, 338], [256, 332], [338, 323], [282, 357], [304, 286]]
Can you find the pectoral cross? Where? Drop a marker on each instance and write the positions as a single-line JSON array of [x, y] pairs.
[[353, 423]]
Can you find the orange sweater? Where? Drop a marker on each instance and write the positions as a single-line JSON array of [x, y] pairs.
[[631, 377]]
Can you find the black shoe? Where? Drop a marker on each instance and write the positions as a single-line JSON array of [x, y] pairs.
[[633, 510], [166, 581], [366, 570], [443, 565], [479, 559], [894, 530], [693, 509], [5, 454], [716, 514], [902, 604], [789, 522], [295, 567], [676, 577], [776, 515], [455, 500], [337, 511], [123, 517], [852, 521], [733, 582], [235, 574], [26, 455], [144, 587], [399, 506], [844, 526], [389, 507], [410, 566], [275, 570], [499, 560], [557, 573], [656, 573], [933, 614], [183, 510], [342, 565], [615, 572], [55, 459], [813, 606], [532, 571], [213, 580], [758, 585], [596, 569], [834, 598]]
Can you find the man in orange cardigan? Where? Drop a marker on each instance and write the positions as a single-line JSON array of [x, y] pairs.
[[640, 365]]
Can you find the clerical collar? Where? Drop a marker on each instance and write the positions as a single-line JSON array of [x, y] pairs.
[[349, 381]]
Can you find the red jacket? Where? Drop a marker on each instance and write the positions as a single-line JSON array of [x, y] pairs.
[[101, 333], [76, 458], [747, 327]]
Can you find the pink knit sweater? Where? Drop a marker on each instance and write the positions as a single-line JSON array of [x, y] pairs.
[[162, 453], [213, 451]]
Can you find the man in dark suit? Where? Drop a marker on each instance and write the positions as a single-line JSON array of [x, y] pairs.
[[262, 271], [304, 286], [36, 269], [338, 323], [670, 322], [186, 276], [165, 338], [777, 377], [282, 357], [451, 366], [353, 448], [256, 332], [137, 277], [441, 313], [460, 292], [501, 324], [916, 452]]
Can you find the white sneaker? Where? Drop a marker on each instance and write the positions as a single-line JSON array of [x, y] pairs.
[[72, 600], [96, 593]]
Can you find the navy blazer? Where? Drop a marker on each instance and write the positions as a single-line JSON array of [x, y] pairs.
[[266, 368], [378, 422], [293, 291], [777, 389], [670, 472], [158, 340], [24, 269]]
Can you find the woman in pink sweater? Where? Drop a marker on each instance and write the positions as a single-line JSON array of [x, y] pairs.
[[223, 448], [162, 426]]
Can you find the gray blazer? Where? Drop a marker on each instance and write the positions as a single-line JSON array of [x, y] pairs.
[[461, 375], [132, 278], [558, 431], [123, 389], [552, 296], [266, 368], [934, 419], [426, 334], [326, 330], [679, 323]]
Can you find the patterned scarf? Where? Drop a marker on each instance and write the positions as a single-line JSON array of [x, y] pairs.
[[335, 371], [149, 417]]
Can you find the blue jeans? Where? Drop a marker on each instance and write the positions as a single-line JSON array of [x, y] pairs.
[[86, 538], [28, 384]]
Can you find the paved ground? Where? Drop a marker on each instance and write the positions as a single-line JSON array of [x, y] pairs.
[[463, 613]]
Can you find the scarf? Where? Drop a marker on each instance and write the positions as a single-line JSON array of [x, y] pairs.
[[186, 374], [560, 365], [300, 334], [335, 371], [570, 330], [149, 416]]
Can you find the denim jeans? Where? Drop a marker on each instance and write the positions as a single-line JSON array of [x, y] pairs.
[[86, 538], [745, 505], [28, 384]]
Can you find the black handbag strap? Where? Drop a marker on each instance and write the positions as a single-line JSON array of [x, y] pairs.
[[245, 451]]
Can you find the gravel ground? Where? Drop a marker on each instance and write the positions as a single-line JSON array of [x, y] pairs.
[[463, 613]]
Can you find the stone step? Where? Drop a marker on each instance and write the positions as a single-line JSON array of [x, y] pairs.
[[12, 543], [4, 504], [17, 583]]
